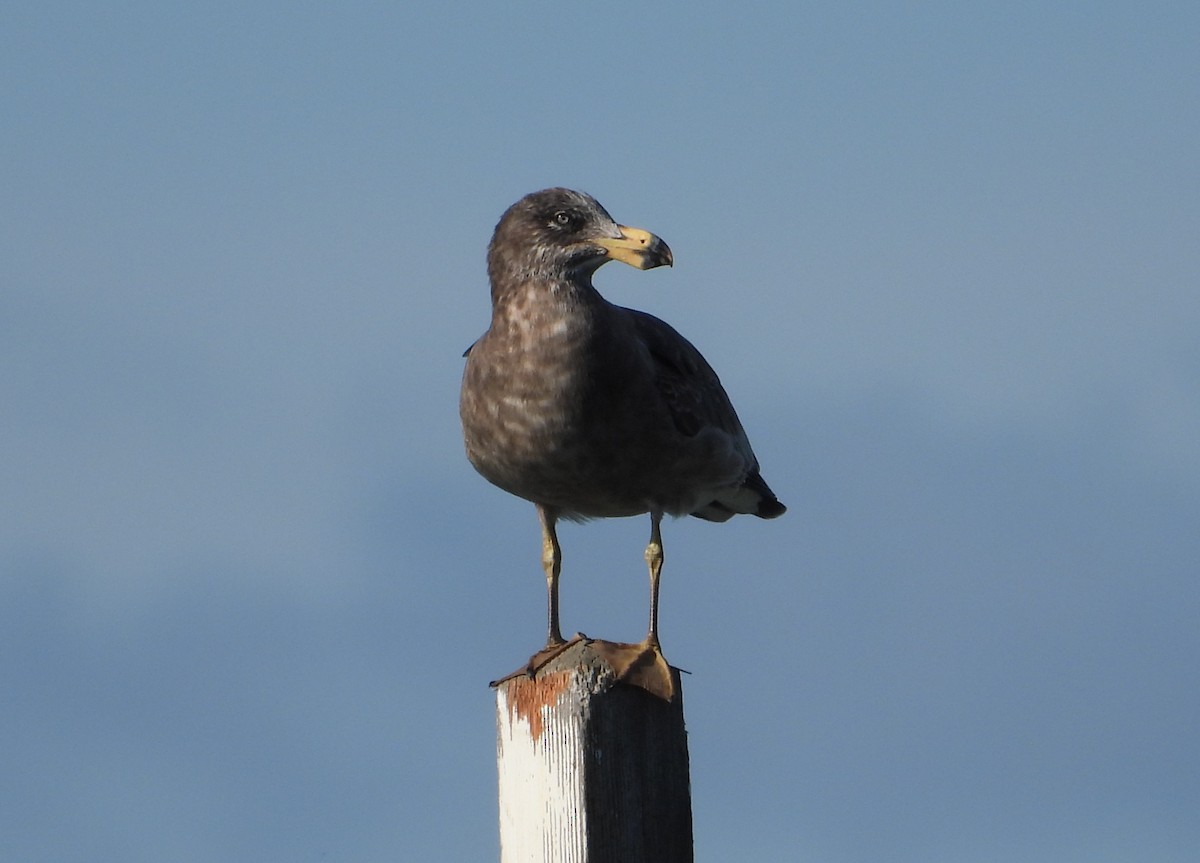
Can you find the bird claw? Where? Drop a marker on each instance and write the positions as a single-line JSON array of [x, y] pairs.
[[642, 665], [541, 659]]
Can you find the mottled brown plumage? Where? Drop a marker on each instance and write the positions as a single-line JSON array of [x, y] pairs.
[[589, 409]]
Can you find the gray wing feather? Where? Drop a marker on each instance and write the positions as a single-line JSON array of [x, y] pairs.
[[688, 385]]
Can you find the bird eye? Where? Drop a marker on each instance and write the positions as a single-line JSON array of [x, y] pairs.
[[562, 217]]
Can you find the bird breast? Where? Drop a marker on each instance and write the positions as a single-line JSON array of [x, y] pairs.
[[523, 389]]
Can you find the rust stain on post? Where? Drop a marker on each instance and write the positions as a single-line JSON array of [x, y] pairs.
[[528, 695]]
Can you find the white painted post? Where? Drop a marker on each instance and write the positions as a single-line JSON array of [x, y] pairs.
[[591, 770]]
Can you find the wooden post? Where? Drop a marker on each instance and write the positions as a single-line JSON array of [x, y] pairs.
[[591, 770]]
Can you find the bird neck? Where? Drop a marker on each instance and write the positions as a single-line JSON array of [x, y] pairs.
[[556, 307], [536, 280]]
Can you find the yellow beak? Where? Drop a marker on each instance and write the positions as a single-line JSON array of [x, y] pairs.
[[637, 248]]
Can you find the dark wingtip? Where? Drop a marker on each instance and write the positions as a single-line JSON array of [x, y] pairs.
[[770, 508], [768, 505]]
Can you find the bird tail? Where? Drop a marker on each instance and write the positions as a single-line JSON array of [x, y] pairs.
[[752, 497]]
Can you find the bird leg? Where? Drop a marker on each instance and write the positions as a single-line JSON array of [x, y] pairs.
[[654, 559], [644, 664], [552, 564]]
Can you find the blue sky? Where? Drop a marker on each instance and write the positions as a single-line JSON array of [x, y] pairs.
[[944, 257]]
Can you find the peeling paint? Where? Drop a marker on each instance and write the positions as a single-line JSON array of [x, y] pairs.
[[526, 696]]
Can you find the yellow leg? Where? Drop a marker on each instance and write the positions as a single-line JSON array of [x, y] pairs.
[[552, 564], [654, 559]]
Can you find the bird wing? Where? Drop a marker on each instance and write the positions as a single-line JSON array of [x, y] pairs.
[[688, 385], [699, 405]]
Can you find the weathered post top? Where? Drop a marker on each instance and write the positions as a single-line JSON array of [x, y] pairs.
[[591, 770]]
